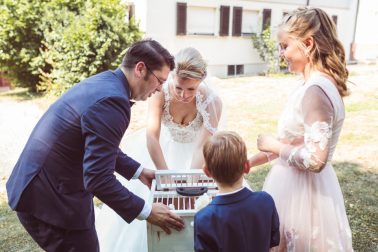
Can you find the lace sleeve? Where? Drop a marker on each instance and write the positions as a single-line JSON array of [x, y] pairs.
[[209, 105], [317, 112]]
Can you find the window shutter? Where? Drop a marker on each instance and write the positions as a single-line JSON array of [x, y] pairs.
[[237, 21], [181, 19], [131, 11], [267, 13], [224, 20], [334, 18]]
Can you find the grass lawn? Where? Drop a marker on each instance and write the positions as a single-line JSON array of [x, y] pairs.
[[252, 106]]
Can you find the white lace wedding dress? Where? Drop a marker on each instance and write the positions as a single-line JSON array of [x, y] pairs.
[[310, 203], [177, 143]]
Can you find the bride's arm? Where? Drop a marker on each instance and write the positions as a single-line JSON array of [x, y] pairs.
[[198, 160], [155, 111]]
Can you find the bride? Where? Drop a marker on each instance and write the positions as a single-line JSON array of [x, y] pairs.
[[180, 119]]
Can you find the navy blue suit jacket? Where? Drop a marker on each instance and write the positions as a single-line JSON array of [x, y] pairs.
[[243, 221], [72, 154]]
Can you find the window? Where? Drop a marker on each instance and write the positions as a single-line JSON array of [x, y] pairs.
[[237, 21], [201, 20], [239, 69], [181, 19], [224, 20], [233, 70], [250, 21]]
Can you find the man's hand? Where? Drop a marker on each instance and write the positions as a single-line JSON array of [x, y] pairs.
[[146, 177], [164, 218]]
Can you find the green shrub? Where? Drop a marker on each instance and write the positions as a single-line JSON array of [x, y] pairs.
[[70, 40], [268, 51]]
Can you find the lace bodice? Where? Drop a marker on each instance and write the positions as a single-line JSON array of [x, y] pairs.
[[307, 117], [187, 133]]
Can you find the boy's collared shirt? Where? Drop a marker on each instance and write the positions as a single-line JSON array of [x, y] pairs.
[[228, 193]]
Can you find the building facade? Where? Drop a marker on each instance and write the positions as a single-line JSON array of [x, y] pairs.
[[221, 29]]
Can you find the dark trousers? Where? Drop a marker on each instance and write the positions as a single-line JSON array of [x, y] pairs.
[[53, 238]]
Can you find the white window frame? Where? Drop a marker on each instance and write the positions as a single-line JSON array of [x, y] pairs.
[[196, 20]]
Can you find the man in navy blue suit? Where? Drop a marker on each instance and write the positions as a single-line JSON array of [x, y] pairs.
[[237, 219], [73, 152]]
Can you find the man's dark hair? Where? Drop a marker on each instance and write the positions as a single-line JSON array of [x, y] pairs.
[[151, 53]]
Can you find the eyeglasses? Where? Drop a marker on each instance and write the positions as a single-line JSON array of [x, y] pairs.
[[160, 81]]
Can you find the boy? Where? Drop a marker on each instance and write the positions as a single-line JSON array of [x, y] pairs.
[[237, 219]]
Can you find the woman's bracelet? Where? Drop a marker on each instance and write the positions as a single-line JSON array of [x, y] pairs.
[[267, 155]]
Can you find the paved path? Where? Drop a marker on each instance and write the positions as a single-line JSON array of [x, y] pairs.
[[17, 120]]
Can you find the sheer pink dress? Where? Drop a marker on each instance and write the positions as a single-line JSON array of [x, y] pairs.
[[310, 203]]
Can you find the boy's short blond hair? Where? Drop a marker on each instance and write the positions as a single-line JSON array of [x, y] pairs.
[[225, 156]]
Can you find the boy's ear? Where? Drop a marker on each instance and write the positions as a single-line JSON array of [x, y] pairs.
[[206, 171], [246, 167]]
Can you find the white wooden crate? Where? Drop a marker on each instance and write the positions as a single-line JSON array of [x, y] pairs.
[[163, 190]]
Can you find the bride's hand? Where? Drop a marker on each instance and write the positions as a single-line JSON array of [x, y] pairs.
[[146, 177], [268, 144]]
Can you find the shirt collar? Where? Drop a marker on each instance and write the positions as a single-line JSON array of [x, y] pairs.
[[121, 76]]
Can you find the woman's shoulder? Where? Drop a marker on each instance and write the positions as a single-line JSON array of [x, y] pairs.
[[323, 80], [322, 84], [207, 93], [157, 100]]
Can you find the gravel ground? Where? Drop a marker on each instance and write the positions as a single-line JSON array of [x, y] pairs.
[[17, 120]]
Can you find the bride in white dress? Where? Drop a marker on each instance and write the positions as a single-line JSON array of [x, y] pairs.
[[180, 119], [302, 181]]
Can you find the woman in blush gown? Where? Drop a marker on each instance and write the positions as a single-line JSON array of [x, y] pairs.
[[302, 180], [180, 119]]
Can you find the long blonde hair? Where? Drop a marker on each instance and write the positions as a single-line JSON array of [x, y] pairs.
[[190, 64], [327, 54]]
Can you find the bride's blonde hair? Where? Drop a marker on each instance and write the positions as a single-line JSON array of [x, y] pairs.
[[190, 64], [327, 54]]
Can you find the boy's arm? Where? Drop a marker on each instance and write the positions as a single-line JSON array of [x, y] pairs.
[[202, 241], [275, 232]]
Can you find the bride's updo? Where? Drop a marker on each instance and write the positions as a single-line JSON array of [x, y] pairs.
[[190, 64]]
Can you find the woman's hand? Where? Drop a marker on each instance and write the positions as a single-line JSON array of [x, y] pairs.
[[146, 177], [268, 143]]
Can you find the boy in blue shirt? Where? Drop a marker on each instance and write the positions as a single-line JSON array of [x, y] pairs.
[[237, 219]]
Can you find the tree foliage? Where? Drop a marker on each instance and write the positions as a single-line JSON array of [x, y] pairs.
[[268, 50], [49, 45]]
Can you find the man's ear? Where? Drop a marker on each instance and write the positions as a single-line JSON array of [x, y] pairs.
[[139, 69], [246, 167], [206, 171]]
